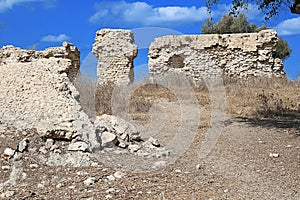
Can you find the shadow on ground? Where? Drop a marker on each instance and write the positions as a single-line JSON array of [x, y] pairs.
[[287, 121]]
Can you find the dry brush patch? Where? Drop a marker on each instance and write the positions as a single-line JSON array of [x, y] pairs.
[[263, 97], [254, 98]]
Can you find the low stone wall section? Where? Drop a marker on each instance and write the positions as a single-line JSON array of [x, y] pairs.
[[197, 56]]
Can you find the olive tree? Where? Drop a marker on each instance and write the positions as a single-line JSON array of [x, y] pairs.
[[270, 7]]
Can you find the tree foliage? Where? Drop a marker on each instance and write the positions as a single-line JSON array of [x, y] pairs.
[[239, 24], [270, 7]]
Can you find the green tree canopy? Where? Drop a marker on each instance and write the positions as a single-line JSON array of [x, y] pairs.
[[270, 7], [239, 24]]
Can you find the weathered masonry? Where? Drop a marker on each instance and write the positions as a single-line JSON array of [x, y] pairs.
[[37, 92], [239, 55], [115, 52]]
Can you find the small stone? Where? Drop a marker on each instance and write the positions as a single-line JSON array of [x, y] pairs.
[[24, 176], [5, 167], [80, 173], [124, 137], [94, 164], [225, 191], [40, 186], [154, 142], [134, 148], [7, 194], [110, 190], [122, 144], [59, 185], [198, 166], [43, 150], [78, 146], [90, 181], [8, 153], [108, 139], [57, 150], [160, 154], [33, 166], [49, 143], [18, 156], [289, 146], [23, 145], [119, 174], [159, 164], [274, 155], [110, 178], [178, 171], [109, 196]]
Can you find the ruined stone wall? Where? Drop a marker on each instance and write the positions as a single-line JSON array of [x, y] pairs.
[[115, 52], [37, 92], [239, 55]]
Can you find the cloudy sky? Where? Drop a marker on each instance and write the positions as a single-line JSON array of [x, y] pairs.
[[45, 23]]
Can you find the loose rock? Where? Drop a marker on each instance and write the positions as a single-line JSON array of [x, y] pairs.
[[23, 145], [78, 146], [90, 181]]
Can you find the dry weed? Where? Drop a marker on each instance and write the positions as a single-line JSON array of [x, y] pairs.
[[86, 87]]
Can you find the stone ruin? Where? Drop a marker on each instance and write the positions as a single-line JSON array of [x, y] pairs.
[[236, 55], [37, 87], [37, 92], [115, 52], [38, 95]]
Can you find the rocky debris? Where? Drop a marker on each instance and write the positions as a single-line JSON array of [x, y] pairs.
[[23, 145], [151, 143], [108, 139], [115, 51], [274, 155], [49, 143], [119, 174], [78, 146], [110, 190], [7, 194], [116, 132], [33, 166], [134, 148], [8, 153], [38, 93], [113, 126], [73, 158], [159, 164], [211, 55], [90, 181], [5, 167], [110, 178]]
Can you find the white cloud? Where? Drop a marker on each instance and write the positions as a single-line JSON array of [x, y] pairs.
[[54, 38], [289, 27], [141, 13], [8, 4]]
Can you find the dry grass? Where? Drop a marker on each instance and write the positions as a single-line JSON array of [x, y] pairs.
[[253, 98], [263, 98], [87, 89], [103, 98]]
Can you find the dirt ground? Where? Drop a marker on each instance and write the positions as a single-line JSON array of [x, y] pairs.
[[238, 167]]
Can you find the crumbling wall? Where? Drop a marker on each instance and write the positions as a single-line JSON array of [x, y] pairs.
[[115, 51], [37, 92], [197, 56]]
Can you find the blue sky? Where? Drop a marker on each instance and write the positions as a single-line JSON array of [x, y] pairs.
[[46, 23]]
